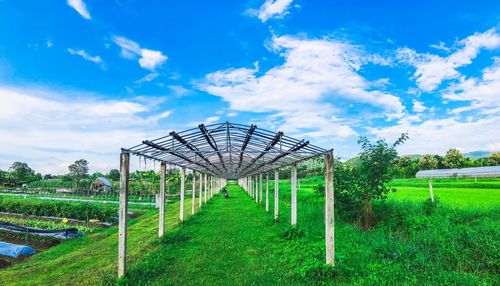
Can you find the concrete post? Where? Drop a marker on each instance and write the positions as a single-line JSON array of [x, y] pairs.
[[293, 180], [161, 227], [430, 189], [205, 188], [122, 214], [276, 193], [200, 190], [256, 189], [267, 193], [260, 189], [211, 187], [181, 206], [193, 201], [329, 210]]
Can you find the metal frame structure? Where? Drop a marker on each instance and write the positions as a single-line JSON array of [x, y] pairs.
[[227, 150], [221, 152]]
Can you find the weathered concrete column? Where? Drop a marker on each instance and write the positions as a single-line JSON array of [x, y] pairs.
[[293, 181], [329, 210], [260, 189], [431, 193], [276, 193], [122, 214], [161, 227], [267, 193], [200, 191], [193, 195], [205, 188], [256, 189], [211, 187], [181, 206]]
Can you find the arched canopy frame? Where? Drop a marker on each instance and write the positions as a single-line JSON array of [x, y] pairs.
[[227, 150]]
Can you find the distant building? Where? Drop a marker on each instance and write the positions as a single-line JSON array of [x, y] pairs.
[[478, 172], [101, 184]]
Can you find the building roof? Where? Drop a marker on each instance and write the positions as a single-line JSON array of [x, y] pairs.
[[102, 181]]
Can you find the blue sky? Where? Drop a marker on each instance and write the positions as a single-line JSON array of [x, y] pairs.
[[82, 78]]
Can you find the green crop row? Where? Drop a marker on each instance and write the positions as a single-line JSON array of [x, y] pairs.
[[74, 210]]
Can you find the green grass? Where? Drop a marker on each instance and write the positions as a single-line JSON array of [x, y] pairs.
[[469, 183], [233, 242], [91, 260], [453, 197]]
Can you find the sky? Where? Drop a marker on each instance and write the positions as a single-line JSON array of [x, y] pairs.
[[83, 78]]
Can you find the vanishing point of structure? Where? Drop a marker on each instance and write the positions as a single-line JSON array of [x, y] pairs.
[[226, 151]]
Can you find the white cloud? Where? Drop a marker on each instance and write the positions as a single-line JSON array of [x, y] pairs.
[[86, 56], [148, 59], [418, 106], [212, 119], [179, 90], [440, 46], [47, 128], [147, 78], [431, 69], [271, 9], [299, 92], [80, 7], [482, 94], [438, 135]]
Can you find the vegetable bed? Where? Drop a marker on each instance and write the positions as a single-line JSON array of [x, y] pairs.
[[75, 210]]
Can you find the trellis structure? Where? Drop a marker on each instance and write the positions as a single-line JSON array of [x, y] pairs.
[[226, 151]]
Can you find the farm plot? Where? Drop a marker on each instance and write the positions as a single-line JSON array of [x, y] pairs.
[[39, 223]]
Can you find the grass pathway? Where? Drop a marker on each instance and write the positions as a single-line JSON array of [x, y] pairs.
[[227, 243]]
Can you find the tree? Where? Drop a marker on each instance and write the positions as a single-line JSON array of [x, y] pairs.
[[114, 174], [454, 159], [78, 170], [428, 162], [369, 179], [3, 176], [494, 159], [21, 173]]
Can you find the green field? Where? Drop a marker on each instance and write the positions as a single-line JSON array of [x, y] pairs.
[[461, 193], [234, 242]]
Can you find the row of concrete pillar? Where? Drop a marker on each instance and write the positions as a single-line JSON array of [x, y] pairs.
[[208, 186], [253, 187]]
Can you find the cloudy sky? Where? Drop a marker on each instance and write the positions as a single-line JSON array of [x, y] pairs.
[[83, 78]]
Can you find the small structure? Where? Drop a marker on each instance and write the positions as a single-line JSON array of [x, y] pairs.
[[101, 184], [477, 172]]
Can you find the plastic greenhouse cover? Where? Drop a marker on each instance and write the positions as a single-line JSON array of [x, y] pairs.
[[491, 171], [14, 250]]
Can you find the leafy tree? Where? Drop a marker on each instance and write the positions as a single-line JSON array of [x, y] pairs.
[[3, 176], [78, 170], [440, 160], [454, 159], [494, 159], [375, 169], [21, 173], [428, 162], [114, 174]]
